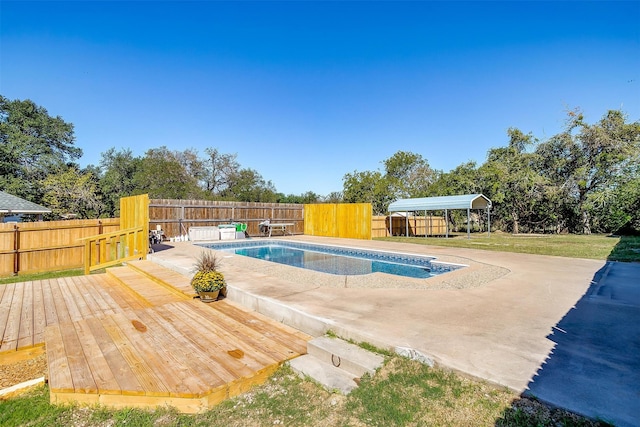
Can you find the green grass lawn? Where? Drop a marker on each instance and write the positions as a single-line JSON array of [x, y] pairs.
[[40, 276], [595, 246], [44, 276], [402, 393]]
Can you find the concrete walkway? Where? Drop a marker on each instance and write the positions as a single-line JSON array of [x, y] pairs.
[[564, 330]]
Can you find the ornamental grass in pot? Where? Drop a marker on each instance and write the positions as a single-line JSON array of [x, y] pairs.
[[207, 281]]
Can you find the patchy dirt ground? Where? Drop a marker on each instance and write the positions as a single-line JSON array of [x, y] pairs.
[[22, 371]]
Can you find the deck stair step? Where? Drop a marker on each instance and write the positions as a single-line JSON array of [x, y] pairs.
[[145, 287], [164, 276], [327, 375], [336, 364]]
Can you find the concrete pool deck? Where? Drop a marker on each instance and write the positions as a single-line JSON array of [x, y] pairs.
[[549, 326]]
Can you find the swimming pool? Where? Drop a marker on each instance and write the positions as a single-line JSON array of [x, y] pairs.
[[337, 260]]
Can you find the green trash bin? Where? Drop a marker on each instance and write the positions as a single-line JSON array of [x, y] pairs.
[[241, 227]]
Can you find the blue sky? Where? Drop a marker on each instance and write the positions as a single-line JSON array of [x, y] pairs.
[[305, 92]]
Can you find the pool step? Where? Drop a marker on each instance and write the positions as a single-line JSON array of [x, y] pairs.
[[336, 364]]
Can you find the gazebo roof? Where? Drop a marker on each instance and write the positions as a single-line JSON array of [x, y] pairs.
[[15, 205], [465, 201]]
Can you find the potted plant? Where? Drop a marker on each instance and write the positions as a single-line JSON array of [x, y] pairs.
[[207, 281]]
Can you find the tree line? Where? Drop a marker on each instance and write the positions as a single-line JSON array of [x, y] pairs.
[[39, 162], [584, 179]]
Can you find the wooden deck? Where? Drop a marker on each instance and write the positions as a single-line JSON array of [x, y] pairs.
[[27, 308], [143, 344]]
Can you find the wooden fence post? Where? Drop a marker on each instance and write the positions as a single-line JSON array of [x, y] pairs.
[[87, 257], [16, 249]]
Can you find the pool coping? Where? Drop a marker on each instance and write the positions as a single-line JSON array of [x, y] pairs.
[[403, 258], [473, 274]]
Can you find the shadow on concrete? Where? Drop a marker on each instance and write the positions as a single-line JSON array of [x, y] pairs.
[[594, 367], [159, 247]]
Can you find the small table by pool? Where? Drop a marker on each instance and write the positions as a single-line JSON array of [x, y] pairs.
[[280, 226]]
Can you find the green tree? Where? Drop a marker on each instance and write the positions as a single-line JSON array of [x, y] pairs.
[[587, 162], [515, 187], [368, 187], [308, 197], [72, 192], [555, 161], [166, 174], [617, 210], [32, 145], [464, 179], [608, 148], [247, 185], [333, 197], [117, 177], [408, 174], [220, 169]]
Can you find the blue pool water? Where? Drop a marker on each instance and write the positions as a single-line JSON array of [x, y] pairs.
[[336, 260]]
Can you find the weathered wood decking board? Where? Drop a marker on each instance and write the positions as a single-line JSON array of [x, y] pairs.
[[26, 308], [186, 354]]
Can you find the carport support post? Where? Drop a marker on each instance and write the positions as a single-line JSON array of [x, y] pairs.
[[425, 224], [406, 224], [488, 222], [446, 222], [468, 221]]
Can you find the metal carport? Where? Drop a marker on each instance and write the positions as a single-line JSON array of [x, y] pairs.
[[464, 201]]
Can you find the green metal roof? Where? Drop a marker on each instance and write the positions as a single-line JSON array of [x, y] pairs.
[[15, 205], [465, 201]]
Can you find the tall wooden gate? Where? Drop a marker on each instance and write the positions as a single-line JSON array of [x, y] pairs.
[[346, 220]]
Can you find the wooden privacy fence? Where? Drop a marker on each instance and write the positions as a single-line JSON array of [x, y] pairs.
[[131, 242], [417, 225], [58, 245], [346, 220], [34, 247], [176, 216]]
